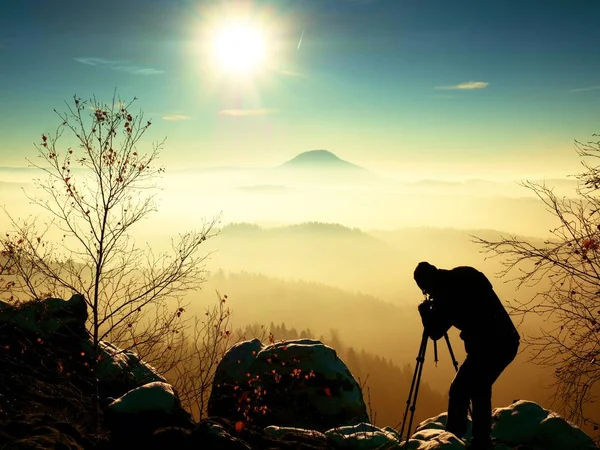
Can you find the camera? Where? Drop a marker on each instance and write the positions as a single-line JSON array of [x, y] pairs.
[[426, 306]]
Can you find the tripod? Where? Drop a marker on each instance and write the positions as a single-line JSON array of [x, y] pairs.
[[416, 381]]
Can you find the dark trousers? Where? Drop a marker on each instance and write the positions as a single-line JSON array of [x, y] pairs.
[[473, 382]]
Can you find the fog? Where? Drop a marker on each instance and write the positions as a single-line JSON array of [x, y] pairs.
[[334, 252]]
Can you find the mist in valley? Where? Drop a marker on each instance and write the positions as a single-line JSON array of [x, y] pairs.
[[328, 247]]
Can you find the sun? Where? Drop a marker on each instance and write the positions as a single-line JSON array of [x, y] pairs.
[[239, 48]]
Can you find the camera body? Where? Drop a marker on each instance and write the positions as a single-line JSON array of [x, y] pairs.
[[426, 306]]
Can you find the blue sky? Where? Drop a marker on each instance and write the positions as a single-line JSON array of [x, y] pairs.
[[385, 83]]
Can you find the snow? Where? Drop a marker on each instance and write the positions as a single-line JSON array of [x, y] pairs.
[[279, 432], [363, 436], [518, 422], [523, 423], [116, 363], [156, 396]]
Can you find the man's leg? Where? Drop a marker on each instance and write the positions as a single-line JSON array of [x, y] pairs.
[[487, 368], [458, 399], [482, 412]]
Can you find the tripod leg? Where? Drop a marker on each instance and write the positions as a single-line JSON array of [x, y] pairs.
[[454, 361], [412, 414], [416, 376]]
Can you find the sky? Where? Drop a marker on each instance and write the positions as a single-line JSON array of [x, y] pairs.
[[390, 84]]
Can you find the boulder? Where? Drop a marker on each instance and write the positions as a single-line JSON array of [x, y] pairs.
[[297, 383], [437, 423], [518, 422], [523, 425], [48, 318], [363, 436], [229, 376], [120, 371], [556, 433], [154, 396], [142, 411]]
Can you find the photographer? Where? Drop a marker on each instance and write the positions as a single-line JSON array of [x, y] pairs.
[[464, 298]]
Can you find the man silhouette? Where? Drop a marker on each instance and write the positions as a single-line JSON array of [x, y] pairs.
[[464, 298]]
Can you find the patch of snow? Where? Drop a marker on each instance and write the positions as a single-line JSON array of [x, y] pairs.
[[156, 396]]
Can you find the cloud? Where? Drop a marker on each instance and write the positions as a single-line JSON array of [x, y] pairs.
[[589, 88], [246, 112], [175, 117], [121, 66], [466, 86]]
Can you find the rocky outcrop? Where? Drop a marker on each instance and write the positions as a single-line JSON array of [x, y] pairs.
[[120, 371], [297, 383], [48, 318], [287, 395]]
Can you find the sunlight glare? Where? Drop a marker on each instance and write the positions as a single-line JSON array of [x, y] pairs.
[[239, 48]]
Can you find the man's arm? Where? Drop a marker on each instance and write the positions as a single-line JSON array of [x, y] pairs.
[[435, 317]]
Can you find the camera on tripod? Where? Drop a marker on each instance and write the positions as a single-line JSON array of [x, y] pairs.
[[427, 310]]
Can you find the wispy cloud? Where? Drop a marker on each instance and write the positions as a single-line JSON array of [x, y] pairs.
[[584, 89], [122, 66], [466, 86], [246, 112], [175, 117]]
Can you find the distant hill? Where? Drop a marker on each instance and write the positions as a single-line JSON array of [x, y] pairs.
[[323, 166], [321, 159]]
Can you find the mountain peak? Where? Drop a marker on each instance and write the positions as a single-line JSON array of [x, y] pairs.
[[317, 159], [317, 156]]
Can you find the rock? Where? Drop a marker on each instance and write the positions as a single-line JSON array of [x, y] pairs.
[[120, 371], [173, 438], [40, 431], [229, 376], [156, 396], [517, 423], [280, 432], [138, 414], [363, 436], [556, 433], [213, 435], [44, 438], [523, 425], [438, 423], [298, 383], [48, 318]]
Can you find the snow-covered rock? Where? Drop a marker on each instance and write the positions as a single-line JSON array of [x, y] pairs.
[[363, 436], [279, 432], [229, 375], [523, 423], [49, 317], [141, 411], [298, 383], [518, 422], [437, 423], [156, 396], [125, 364]]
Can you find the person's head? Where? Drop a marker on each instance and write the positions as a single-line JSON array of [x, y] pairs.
[[425, 276]]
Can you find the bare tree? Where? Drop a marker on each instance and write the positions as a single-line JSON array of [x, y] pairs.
[[95, 192], [566, 271], [195, 359]]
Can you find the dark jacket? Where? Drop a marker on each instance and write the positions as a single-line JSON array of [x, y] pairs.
[[464, 298]]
